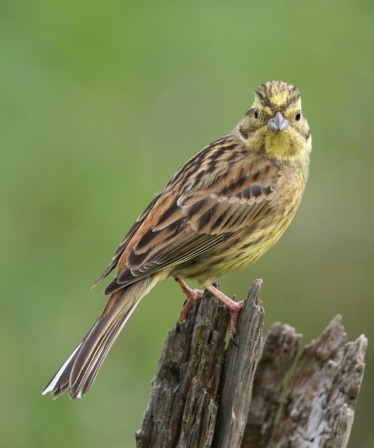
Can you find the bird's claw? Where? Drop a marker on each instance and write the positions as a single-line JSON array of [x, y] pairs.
[[234, 309], [192, 295]]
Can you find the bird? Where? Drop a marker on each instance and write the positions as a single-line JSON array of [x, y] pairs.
[[220, 212]]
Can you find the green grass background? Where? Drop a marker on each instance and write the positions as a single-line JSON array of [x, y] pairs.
[[100, 102]]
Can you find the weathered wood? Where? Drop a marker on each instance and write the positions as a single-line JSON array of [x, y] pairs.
[[185, 394], [239, 371], [183, 406], [201, 394], [281, 346], [322, 395]]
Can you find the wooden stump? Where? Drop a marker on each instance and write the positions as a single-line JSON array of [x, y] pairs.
[[207, 395]]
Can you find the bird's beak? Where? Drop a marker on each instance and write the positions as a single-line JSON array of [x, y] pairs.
[[278, 123]]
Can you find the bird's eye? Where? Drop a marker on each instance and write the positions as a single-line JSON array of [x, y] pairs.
[[298, 115], [255, 114]]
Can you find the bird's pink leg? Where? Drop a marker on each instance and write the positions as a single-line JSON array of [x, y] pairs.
[[234, 308], [193, 295]]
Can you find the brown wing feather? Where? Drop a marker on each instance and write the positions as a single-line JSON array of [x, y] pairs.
[[124, 242], [180, 227]]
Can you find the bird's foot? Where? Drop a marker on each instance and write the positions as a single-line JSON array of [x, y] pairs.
[[193, 295], [234, 309]]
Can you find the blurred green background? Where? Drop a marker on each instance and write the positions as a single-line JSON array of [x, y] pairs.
[[100, 102]]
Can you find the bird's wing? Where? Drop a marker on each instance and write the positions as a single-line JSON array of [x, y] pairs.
[[181, 225], [114, 261]]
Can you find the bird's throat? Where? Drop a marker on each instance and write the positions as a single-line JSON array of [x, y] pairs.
[[281, 145]]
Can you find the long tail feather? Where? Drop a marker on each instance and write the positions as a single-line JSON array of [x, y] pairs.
[[79, 371]]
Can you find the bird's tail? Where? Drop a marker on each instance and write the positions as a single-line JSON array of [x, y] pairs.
[[79, 371]]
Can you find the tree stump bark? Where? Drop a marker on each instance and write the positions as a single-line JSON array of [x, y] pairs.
[[281, 346], [322, 393], [207, 395]]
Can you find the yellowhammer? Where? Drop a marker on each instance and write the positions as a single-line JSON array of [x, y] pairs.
[[220, 212]]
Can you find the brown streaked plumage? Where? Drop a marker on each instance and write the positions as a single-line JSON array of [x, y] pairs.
[[220, 212]]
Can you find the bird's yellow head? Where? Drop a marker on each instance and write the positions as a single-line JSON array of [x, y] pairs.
[[275, 124]]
